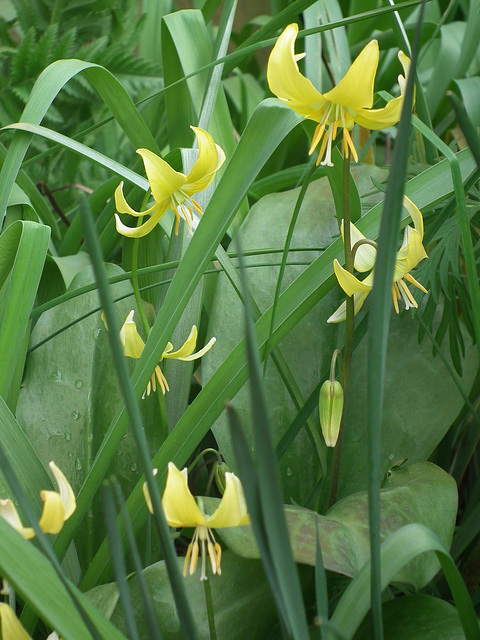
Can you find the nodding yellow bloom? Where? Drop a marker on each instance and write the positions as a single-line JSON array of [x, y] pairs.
[[10, 625], [410, 254], [349, 102], [172, 189], [182, 510], [133, 346], [57, 507]]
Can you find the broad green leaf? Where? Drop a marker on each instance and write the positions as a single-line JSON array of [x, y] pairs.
[[421, 402], [70, 390], [469, 90], [405, 545], [31, 474], [179, 60], [420, 493], [417, 617], [309, 348], [443, 62], [427, 189], [241, 599], [23, 248]]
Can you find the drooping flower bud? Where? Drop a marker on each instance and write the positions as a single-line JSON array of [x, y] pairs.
[[330, 409]]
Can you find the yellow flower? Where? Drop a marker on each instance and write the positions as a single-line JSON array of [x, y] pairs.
[[57, 507], [10, 625], [410, 254], [181, 510], [133, 346], [172, 189], [349, 102]]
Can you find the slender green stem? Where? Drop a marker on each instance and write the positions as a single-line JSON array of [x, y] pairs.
[[210, 613], [163, 415], [288, 242], [347, 354], [136, 288], [202, 453]]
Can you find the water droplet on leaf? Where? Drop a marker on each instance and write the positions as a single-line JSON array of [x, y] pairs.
[[56, 376]]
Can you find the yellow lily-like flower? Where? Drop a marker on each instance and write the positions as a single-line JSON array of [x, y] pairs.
[[181, 510], [10, 625], [410, 254], [133, 346], [349, 102], [57, 507], [172, 189]]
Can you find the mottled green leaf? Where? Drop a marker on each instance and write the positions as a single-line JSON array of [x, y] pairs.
[[420, 493]]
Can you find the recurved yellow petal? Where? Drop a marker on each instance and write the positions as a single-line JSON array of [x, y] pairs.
[[53, 514], [340, 315], [232, 510], [210, 159], [9, 512], [178, 504], [286, 81], [122, 205], [156, 213], [416, 251], [185, 350], [164, 180], [380, 118], [355, 90], [185, 353], [132, 343], [414, 213], [10, 625], [66, 492], [349, 283]]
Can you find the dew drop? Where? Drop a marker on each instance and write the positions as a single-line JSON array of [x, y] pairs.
[[68, 436], [391, 456], [78, 464], [90, 438], [133, 466], [289, 472], [56, 376], [76, 415], [79, 384]]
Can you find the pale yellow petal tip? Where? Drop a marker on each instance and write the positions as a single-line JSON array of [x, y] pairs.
[[66, 492], [146, 492], [10, 625], [9, 513]]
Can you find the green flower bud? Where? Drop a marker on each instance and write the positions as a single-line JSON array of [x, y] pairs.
[[220, 470], [330, 409]]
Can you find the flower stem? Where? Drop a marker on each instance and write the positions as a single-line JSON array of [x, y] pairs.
[[136, 288], [210, 614], [349, 326]]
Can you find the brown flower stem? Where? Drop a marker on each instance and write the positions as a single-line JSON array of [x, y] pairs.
[[349, 327]]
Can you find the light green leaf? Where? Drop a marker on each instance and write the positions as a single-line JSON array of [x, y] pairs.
[[239, 595]]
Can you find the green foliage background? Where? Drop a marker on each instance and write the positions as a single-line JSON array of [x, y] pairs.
[[82, 86]]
